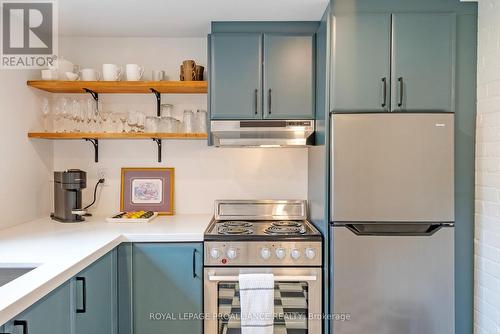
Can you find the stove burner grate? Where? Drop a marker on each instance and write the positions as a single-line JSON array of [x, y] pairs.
[[234, 230], [284, 230], [287, 223], [237, 223]]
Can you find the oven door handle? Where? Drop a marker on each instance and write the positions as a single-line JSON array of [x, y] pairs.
[[276, 278]]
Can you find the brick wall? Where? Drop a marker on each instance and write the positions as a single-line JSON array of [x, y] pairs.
[[487, 222]]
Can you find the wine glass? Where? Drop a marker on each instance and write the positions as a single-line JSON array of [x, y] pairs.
[[132, 121], [45, 109]]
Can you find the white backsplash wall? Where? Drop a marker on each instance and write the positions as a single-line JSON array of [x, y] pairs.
[[26, 165], [487, 236], [202, 174]]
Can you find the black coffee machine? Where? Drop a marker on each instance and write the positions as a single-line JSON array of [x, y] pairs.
[[68, 187]]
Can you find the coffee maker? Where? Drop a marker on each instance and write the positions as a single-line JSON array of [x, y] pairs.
[[68, 187]]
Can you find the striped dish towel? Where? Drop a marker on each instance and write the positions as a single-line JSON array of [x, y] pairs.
[[257, 303]]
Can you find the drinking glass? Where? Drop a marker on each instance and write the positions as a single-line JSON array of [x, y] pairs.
[[46, 117], [132, 121], [201, 121], [166, 110], [167, 125], [105, 122], [63, 115], [188, 121], [75, 115], [141, 122], [152, 123], [116, 122], [123, 117]]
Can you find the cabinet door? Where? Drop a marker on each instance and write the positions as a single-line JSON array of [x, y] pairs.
[[235, 76], [289, 68], [51, 315], [167, 282], [96, 297], [361, 63], [423, 62]]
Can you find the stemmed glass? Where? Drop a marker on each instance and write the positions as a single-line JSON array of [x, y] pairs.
[[132, 120], [141, 122], [45, 108], [75, 115]]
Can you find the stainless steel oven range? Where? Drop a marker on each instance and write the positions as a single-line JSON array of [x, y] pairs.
[[263, 237]]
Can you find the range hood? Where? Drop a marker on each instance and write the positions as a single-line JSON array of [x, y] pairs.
[[262, 133]]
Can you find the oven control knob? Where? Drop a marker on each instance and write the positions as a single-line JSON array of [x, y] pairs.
[[265, 253], [310, 253], [295, 254], [280, 253], [231, 253], [215, 253]]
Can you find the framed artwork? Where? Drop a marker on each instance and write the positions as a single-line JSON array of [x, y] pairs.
[[148, 189]]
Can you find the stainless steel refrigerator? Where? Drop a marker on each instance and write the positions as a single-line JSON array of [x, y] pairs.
[[392, 219]]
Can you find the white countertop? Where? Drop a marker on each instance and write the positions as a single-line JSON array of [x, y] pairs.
[[60, 251]]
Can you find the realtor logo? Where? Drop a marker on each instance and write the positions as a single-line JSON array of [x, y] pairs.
[[29, 34]]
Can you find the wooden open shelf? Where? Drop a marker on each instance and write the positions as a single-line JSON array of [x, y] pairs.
[[121, 87], [93, 135]]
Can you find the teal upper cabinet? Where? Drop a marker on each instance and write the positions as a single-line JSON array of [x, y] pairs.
[[96, 297], [361, 62], [393, 62], [289, 69], [50, 315], [262, 70], [166, 279], [235, 76], [423, 58]]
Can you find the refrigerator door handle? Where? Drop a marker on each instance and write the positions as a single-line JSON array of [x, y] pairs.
[[393, 229]]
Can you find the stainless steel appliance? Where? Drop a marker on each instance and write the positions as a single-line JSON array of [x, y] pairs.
[[392, 218], [68, 187], [263, 237], [262, 133]]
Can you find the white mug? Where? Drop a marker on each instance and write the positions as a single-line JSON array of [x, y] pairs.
[[133, 72], [158, 75], [111, 72], [89, 74], [50, 74]]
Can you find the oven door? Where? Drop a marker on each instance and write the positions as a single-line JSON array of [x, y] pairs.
[[297, 300]]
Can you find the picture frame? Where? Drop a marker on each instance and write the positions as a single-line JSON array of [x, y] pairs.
[[148, 189]]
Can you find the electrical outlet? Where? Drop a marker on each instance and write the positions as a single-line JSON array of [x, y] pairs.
[[102, 173]]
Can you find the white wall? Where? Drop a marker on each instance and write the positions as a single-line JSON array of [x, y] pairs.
[[25, 165], [203, 173], [487, 236]]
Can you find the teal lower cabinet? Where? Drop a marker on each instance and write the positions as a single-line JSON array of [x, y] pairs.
[[160, 288], [50, 315], [95, 306]]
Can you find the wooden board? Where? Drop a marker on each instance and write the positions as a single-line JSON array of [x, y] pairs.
[[121, 87], [83, 135]]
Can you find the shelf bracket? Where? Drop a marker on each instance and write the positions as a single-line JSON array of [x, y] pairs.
[[95, 96], [158, 143], [94, 142], [158, 100]]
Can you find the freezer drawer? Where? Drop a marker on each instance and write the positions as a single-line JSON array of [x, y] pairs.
[[393, 284], [392, 167]]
